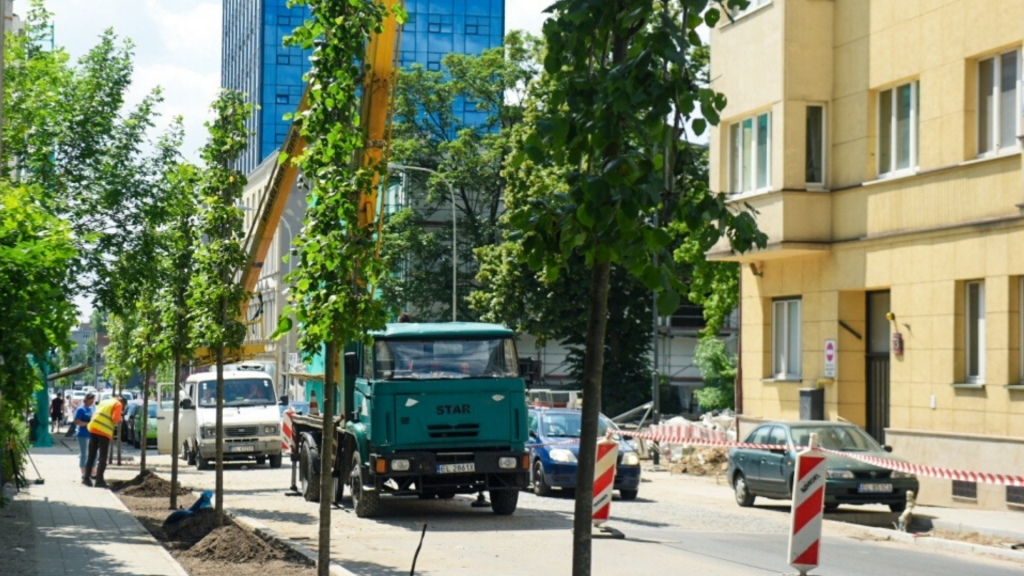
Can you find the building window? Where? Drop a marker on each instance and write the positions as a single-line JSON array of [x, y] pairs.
[[963, 489], [786, 338], [751, 5], [974, 338], [1015, 495], [815, 156], [897, 129], [998, 94], [750, 154]]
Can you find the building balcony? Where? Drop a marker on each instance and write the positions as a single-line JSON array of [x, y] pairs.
[[797, 223]]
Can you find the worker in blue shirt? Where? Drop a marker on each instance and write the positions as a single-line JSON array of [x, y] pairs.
[[82, 417]]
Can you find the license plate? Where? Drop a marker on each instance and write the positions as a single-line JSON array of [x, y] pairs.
[[241, 449], [456, 468], [874, 488]]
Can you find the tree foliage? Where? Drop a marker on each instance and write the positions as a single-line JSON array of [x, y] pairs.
[[719, 369], [456, 121]]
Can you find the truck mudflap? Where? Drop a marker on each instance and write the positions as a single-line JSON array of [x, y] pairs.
[[419, 472]]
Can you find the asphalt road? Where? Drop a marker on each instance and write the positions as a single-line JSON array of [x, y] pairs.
[[679, 525]]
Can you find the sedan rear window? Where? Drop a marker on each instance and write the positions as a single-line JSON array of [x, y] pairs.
[[845, 438]]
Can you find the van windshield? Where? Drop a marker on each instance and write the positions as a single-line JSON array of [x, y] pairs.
[[445, 359], [238, 392]]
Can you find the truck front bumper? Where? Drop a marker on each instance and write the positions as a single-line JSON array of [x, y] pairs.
[[455, 472], [243, 450]]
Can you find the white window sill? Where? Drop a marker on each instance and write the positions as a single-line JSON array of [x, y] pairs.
[[1013, 387], [892, 176], [816, 187], [748, 12], [795, 379], [969, 385], [737, 196], [1000, 153]]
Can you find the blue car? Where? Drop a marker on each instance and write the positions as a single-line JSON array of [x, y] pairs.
[[554, 466]]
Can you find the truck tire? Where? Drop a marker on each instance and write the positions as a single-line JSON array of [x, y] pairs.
[[275, 461], [339, 489], [311, 489], [366, 504], [628, 494], [504, 502]]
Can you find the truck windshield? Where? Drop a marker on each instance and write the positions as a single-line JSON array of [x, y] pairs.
[[445, 359], [241, 392]]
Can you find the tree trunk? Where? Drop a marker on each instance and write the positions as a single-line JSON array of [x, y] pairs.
[[144, 433], [174, 432], [593, 362], [219, 485], [323, 564], [120, 437]]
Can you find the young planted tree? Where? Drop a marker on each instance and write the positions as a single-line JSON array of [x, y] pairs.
[[333, 288], [120, 363], [149, 351], [215, 297], [177, 263], [620, 94]]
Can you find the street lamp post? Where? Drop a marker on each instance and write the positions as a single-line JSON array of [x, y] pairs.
[[455, 255]]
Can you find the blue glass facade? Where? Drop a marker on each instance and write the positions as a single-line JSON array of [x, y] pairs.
[[255, 61]]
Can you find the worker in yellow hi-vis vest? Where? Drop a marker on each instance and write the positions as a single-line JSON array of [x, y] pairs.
[[104, 421]]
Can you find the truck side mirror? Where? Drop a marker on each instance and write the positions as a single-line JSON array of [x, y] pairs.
[[283, 400], [351, 364], [186, 404]]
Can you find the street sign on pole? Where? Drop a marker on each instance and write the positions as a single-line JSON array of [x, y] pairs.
[[830, 358]]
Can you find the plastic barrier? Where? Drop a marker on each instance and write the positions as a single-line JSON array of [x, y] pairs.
[[808, 507], [604, 479], [288, 431]]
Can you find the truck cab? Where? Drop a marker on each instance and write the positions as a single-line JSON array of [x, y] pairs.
[[435, 410], [252, 427]]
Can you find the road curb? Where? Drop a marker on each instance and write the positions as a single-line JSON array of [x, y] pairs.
[[961, 528], [261, 530], [144, 533], [946, 545]]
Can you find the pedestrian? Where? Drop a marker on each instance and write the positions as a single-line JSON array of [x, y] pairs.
[[101, 429], [82, 416], [57, 412]]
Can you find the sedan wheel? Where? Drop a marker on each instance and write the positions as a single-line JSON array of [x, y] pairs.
[[743, 496]]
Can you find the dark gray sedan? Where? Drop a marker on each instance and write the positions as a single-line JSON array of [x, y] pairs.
[[769, 473]]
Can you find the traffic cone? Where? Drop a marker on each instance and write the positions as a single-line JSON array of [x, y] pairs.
[[314, 406]]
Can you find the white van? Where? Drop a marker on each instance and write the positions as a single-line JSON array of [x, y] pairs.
[[252, 419]]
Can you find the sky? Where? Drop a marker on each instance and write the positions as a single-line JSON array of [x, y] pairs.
[[177, 47]]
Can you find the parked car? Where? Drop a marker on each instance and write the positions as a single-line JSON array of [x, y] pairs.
[[150, 422], [554, 466], [128, 421], [769, 473]]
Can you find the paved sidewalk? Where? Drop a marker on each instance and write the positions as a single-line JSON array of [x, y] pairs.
[[87, 531]]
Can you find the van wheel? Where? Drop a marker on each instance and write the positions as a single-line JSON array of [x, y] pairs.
[[628, 494], [311, 488], [190, 456], [367, 504], [201, 463], [275, 461], [261, 460]]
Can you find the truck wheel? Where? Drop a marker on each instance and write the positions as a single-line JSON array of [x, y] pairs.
[[339, 489], [275, 461], [311, 488], [540, 484], [367, 504], [503, 502], [628, 494]]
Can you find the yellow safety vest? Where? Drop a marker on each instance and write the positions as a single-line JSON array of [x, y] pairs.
[[103, 420]]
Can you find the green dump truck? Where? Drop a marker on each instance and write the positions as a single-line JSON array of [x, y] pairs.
[[429, 410]]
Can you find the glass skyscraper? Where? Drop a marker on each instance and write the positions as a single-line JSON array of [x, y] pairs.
[[255, 61]]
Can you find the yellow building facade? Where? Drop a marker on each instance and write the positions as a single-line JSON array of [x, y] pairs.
[[879, 143]]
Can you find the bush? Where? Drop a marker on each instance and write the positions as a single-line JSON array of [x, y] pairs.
[[719, 369], [14, 434]]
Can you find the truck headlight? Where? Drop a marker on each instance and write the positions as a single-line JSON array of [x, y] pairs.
[[506, 462], [270, 429], [400, 465], [630, 459], [562, 455], [902, 475], [832, 473], [209, 432]]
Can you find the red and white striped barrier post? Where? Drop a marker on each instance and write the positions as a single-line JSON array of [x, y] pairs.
[[604, 479], [808, 506], [287, 431]]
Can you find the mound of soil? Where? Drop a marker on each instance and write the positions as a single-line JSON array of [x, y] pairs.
[[235, 545], [192, 529], [147, 485], [702, 462]]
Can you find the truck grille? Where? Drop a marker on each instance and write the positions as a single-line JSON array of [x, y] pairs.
[[457, 431], [237, 431]]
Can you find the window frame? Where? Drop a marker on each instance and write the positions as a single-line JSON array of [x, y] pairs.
[[969, 327], [736, 187], [753, 6], [784, 372], [997, 80], [915, 125], [824, 146]]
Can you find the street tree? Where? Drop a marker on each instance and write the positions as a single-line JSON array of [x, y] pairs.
[[621, 92], [215, 298], [456, 121], [332, 293], [149, 350], [177, 265], [120, 362]]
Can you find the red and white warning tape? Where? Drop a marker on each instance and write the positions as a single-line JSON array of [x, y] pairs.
[[916, 469]]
